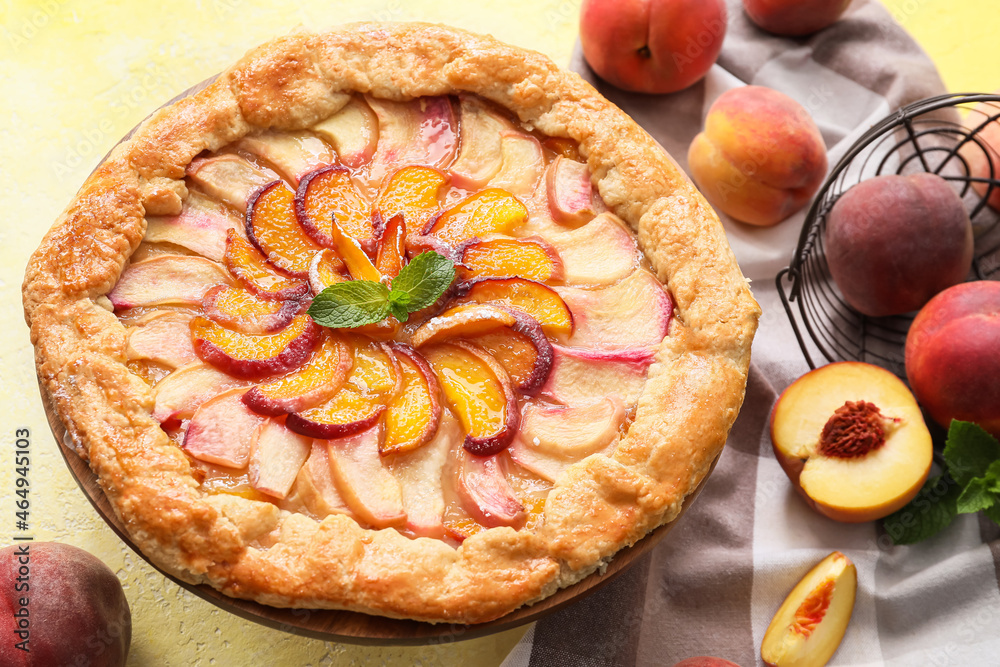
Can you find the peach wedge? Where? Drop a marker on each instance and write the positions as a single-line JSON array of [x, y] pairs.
[[812, 620], [250, 356], [241, 310], [534, 298], [488, 211], [251, 270], [330, 194], [166, 279], [412, 418], [851, 438], [413, 192], [530, 258], [222, 430], [272, 227], [316, 381]]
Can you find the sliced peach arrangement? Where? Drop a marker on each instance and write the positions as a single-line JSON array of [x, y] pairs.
[[425, 416]]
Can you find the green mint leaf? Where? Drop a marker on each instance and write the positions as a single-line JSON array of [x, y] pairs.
[[423, 280], [969, 451], [352, 303], [975, 497], [399, 311], [930, 512], [993, 513]]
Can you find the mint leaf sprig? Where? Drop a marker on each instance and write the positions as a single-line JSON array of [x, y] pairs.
[[970, 483], [355, 303]]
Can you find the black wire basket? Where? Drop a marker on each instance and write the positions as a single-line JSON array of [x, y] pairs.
[[939, 135]]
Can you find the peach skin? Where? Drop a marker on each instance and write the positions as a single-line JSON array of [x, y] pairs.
[[760, 157]]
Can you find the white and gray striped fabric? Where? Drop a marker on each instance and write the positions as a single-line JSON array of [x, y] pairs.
[[712, 586]]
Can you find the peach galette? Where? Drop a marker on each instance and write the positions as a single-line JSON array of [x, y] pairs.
[[396, 319]]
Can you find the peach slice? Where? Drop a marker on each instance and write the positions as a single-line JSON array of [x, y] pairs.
[[347, 413], [324, 270], [251, 270], [315, 382], [222, 430], [480, 156], [272, 227], [488, 211], [352, 131], [634, 313], [315, 488], [359, 265], [584, 376], [485, 493], [276, 456], [376, 371], [413, 192], [469, 319], [478, 389], [293, 154], [241, 310], [531, 258], [534, 298], [162, 337], [330, 194], [811, 622], [412, 417], [391, 254], [851, 438], [167, 279], [201, 227], [229, 178], [364, 481], [523, 164], [570, 192], [600, 252], [180, 394], [420, 132], [255, 356]]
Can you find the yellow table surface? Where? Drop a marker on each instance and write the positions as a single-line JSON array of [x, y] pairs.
[[75, 76]]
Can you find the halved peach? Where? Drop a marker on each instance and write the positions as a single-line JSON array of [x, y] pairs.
[[390, 256], [229, 178], [412, 417], [241, 310], [276, 456], [486, 495], [293, 154], [851, 438], [584, 376], [478, 389], [479, 156], [811, 622], [222, 430], [272, 227], [167, 279], [600, 252], [162, 337], [315, 382], [364, 480], [570, 192], [420, 473], [330, 194], [314, 486], [418, 132], [179, 394], [251, 270], [255, 356], [532, 258], [488, 211], [201, 226], [534, 298], [352, 131], [633, 313], [413, 192], [523, 164]]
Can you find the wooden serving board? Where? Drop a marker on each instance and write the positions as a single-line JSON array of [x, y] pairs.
[[348, 626]]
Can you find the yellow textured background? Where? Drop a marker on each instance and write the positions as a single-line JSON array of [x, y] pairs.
[[75, 76]]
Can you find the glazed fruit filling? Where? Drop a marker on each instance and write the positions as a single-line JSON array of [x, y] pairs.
[[440, 422]]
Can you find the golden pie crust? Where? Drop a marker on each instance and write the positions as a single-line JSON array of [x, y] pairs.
[[691, 398]]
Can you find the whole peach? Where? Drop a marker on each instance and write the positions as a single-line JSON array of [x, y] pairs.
[[953, 355], [65, 607], [652, 46], [794, 18], [760, 157], [985, 151], [892, 242]]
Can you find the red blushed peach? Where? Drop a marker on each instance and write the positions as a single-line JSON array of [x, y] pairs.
[[760, 157], [794, 18], [980, 157], [652, 46], [892, 242], [953, 355]]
